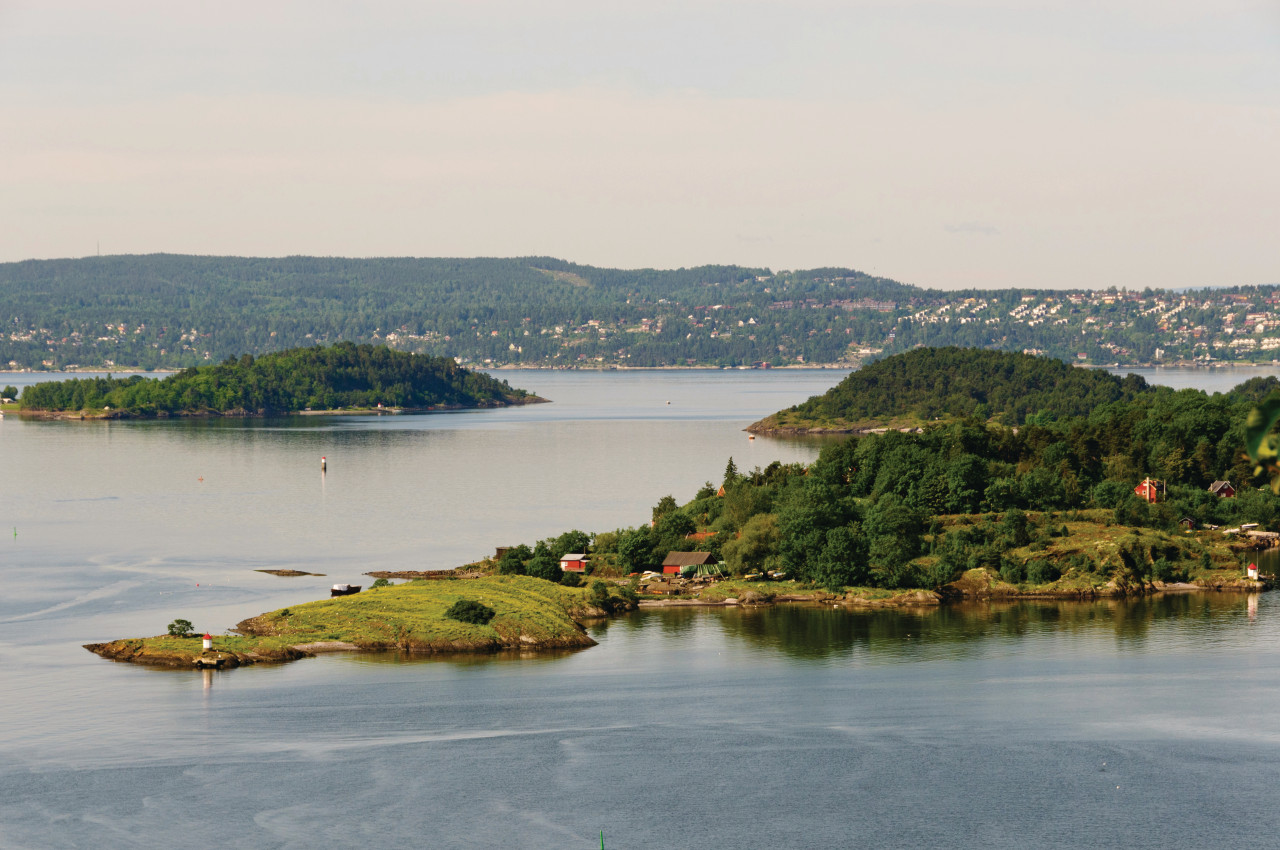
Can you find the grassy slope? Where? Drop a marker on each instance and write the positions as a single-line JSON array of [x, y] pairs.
[[1090, 536], [529, 612]]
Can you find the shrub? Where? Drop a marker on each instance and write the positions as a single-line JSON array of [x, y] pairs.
[[569, 579], [600, 593], [512, 561], [382, 582], [943, 571], [1167, 570], [470, 611], [1013, 572], [1041, 571], [543, 566], [181, 628]]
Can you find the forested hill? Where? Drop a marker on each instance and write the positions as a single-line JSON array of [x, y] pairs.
[[927, 384], [171, 311], [167, 311], [342, 376]]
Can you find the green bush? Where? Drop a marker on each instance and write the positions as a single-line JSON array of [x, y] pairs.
[[512, 561], [543, 566], [943, 571], [382, 582], [470, 611], [569, 579], [1013, 572], [1041, 571], [1165, 570]]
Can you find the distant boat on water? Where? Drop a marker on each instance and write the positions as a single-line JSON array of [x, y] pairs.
[[344, 589]]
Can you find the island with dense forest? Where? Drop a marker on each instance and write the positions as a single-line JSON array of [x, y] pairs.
[[344, 376], [928, 385], [1078, 486]]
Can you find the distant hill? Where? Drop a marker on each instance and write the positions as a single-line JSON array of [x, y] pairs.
[[342, 376], [171, 311], [928, 384]]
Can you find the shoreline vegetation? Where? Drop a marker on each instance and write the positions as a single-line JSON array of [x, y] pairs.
[[343, 378], [1026, 479], [533, 615]]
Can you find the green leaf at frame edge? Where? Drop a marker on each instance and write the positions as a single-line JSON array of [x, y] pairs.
[[1258, 440]]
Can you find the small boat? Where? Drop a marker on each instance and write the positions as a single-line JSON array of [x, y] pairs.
[[344, 589]]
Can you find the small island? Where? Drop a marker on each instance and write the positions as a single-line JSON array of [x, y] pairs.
[[526, 613], [343, 377]]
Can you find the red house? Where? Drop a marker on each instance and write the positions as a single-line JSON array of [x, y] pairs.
[[1150, 490], [574, 563], [1222, 489]]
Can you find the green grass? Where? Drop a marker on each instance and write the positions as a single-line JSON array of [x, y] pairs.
[[412, 615], [529, 612]]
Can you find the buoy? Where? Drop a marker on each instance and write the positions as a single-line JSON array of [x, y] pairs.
[[323, 463], [208, 641]]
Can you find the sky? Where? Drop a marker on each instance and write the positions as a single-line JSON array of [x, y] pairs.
[[943, 143]]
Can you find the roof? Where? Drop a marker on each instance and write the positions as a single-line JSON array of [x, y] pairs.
[[573, 557], [1218, 485], [684, 559]]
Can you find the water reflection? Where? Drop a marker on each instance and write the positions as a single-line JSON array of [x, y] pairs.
[[461, 659], [817, 631]]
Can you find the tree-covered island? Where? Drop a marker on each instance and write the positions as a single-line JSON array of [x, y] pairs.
[[1069, 484], [342, 376]]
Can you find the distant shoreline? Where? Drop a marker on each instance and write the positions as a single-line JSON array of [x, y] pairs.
[[534, 367]]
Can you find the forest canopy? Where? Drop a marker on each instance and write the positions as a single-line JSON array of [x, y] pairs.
[[929, 384], [318, 378]]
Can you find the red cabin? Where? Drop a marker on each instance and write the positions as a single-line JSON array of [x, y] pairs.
[[574, 563]]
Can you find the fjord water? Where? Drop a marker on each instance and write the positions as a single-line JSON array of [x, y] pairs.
[[1131, 724]]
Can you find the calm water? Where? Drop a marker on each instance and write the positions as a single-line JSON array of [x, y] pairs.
[[1065, 725]]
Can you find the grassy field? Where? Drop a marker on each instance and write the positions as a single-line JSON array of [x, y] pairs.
[[528, 613], [1096, 555]]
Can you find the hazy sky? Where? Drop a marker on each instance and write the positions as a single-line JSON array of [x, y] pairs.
[[945, 143]]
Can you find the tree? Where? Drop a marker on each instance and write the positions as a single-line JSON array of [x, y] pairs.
[[756, 547], [543, 564], [10, 391], [1014, 529], [895, 530], [512, 561], [181, 628], [843, 559], [575, 541], [665, 505], [635, 551], [730, 474], [599, 594]]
